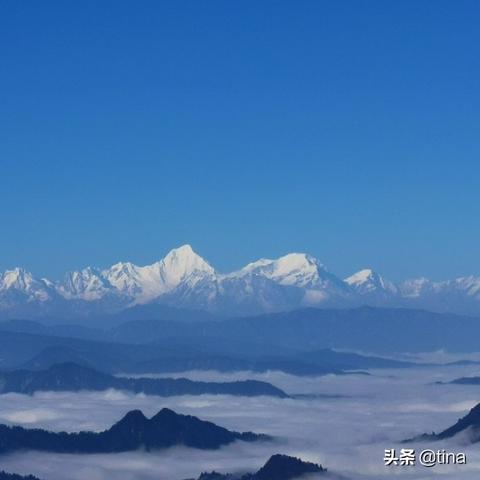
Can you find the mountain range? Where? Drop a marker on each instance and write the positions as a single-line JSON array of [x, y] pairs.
[[185, 280]]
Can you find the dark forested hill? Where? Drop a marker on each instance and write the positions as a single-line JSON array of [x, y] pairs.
[[14, 476], [133, 431], [469, 423], [278, 467]]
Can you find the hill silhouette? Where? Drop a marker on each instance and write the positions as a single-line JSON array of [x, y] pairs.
[[278, 467], [132, 432]]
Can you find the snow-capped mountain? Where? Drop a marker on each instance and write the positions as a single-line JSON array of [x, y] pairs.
[[19, 285], [87, 284], [295, 269], [183, 279], [368, 282], [181, 266], [298, 271], [470, 285], [419, 288]]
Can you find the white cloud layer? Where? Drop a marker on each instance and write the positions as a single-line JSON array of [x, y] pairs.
[[345, 424]]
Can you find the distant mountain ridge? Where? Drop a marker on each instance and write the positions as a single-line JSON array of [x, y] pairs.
[[296, 343], [72, 377], [183, 279]]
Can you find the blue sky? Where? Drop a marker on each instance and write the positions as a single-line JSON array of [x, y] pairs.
[[347, 129]]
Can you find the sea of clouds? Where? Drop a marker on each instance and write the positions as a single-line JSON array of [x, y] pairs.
[[343, 422]]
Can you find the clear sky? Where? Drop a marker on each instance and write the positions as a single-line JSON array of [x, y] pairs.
[[346, 129]]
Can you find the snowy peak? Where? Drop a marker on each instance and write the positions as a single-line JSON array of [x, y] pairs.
[[18, 279], [306, 272], [470, 284], [139, 284], [181, 263], [296, 269], [417, 287], [180, 267], [254, 267], [124, 277], [367, 281], [87, 284], [20, 282], [361, 277]]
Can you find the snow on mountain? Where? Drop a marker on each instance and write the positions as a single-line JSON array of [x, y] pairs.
[[368, 282], [17, 279], [294, 269], [181, 266], [87, 284], [470, 285], [418, 287], [300, 271], [248, 291], [183, 279], [20, 285], [461, 295], [125, 278], [422, 287]]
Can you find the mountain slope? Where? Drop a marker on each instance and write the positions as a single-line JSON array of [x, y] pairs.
[[468, 425]]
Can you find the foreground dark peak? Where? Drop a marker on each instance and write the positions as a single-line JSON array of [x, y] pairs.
[[469, 423], [278, 467], [134, 431], [168, 428], [70, 376], [14, 476], [133, 417], [284, 467]]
